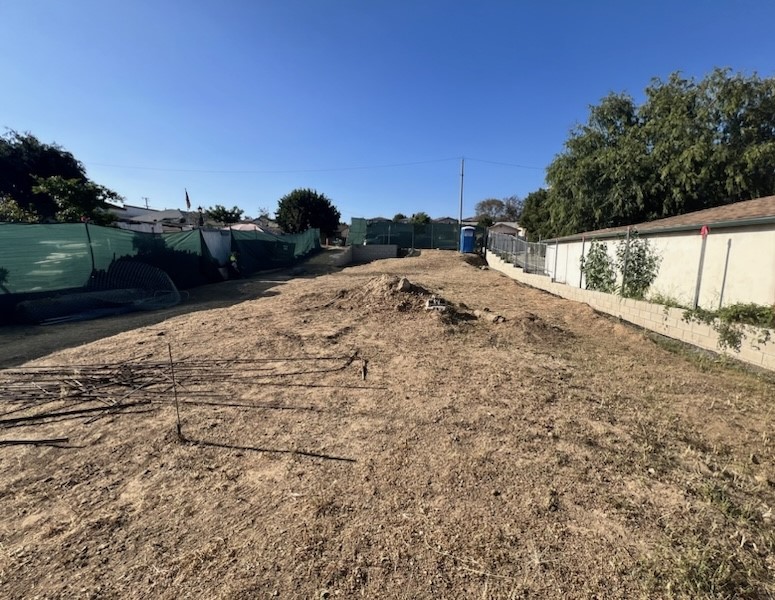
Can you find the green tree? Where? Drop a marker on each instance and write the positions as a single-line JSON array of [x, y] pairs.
[[221, 214], [11, 212], [484, 221], [25, 166], [420, 218], [492, 207], [598, 268], [512, 208], [691, 145], [77, 199], [535, 216], [303, 209], [638, 263], [399, 217]]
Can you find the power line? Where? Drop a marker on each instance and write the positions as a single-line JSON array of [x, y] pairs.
[[504, 164], [272, 172]]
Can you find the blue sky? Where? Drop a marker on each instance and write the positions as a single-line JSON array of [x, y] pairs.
[[370, 102]]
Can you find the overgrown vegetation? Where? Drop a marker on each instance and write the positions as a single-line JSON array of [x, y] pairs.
[[736, 322]]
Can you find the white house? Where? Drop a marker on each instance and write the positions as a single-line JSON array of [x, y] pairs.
[[718, 256]]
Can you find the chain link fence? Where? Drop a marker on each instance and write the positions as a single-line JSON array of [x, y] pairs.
[[529, 256]]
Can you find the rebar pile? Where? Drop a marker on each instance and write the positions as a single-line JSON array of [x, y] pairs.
[[33, 395]]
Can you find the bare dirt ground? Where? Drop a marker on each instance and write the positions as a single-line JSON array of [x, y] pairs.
[[339, 441]]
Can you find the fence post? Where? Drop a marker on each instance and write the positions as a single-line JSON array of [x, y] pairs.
[[626, 260], [704, 232], [556, 252], [581, 272], [91, 249], [724, 278]]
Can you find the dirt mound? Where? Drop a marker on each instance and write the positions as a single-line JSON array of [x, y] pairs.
[[389, 293], [384, 293]]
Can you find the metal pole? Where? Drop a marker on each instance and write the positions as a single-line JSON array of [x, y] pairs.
[[460, 213], [460, 208], [626, 260], [91, 248], [724, 279], [699, 271], [556, 252]]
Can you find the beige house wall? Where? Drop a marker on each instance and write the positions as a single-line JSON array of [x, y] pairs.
[[655, 317], [750, 273]]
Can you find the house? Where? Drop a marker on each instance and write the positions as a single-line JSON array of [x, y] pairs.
[[712, 257], [149, 220], [509, 228]]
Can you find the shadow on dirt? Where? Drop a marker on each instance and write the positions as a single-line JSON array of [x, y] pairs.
[[204, 444]]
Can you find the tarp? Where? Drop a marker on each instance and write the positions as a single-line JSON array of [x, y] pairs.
[[44, 260], [406, 235], [218, 243]]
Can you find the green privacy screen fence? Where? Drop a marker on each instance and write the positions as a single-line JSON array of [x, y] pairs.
[[444, 236], [38, 260]]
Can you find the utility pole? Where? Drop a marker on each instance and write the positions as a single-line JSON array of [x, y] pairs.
[[460, 214], [145, 198]]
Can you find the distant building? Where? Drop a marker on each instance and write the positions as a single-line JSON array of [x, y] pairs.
[[137, 218], [508, 227]]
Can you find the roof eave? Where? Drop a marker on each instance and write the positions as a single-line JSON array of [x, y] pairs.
[[770, 220]]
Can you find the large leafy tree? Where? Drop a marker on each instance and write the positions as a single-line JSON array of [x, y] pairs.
[[41, 181], [221, 214], [493, 209], [303, 209], [77, 199], [535, 215], [690, 145]]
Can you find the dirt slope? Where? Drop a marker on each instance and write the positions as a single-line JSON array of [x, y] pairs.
[[340, 440]]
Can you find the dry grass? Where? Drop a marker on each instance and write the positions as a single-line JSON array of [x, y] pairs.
[[554, 454]]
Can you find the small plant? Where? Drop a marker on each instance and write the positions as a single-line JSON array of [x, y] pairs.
[[733, 323], [639, 264], [598, 268], [666, 300]]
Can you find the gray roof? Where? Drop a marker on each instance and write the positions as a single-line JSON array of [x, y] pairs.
[[760, 211]]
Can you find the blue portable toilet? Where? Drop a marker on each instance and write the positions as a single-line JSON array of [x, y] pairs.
[[467, 239]]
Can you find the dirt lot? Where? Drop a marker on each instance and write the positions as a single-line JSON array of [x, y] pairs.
[[339, 440]]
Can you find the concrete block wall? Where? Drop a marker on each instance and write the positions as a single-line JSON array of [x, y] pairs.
[[345, 258], [655, 317], [374, 252]]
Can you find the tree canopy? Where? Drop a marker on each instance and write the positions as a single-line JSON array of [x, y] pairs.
[[43, 182], [221, 214], [303, 209], [691, 145], [420, 218], [507, 209]]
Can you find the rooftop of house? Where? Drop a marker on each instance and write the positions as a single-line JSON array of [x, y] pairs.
[[738, 214]]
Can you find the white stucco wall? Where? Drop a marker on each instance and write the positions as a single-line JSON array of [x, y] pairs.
[[750, 273]]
